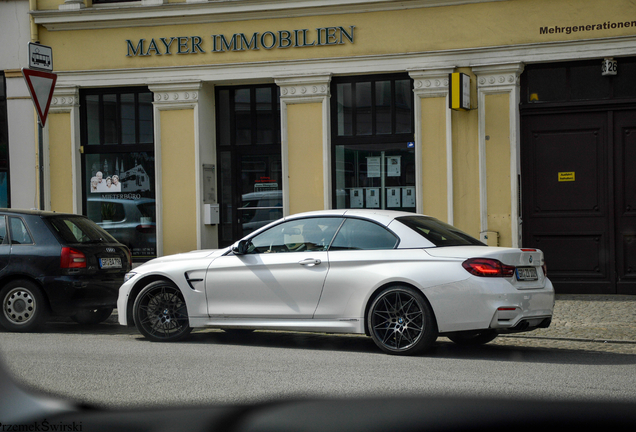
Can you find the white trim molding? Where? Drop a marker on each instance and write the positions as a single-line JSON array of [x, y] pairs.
[[432, 83], [497, 79], [306, 89], [66, 100], [175, 96]]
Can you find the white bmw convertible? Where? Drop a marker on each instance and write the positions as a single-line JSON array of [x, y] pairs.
[[403, 279]]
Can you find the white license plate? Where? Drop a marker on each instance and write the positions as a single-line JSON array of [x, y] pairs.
[[107, 263], [527, 273]]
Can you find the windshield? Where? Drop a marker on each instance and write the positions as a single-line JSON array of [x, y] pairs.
[[438, 232], [79, 230]]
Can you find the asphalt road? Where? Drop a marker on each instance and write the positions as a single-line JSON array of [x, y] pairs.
[[110, 365]]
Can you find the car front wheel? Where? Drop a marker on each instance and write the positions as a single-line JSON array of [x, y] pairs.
[[92, 316], [401, 321], [23, 306], [160, 313]]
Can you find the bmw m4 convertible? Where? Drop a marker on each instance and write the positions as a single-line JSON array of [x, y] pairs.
[[401, 278]]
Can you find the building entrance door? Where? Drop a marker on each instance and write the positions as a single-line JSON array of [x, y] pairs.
[[579, 197]]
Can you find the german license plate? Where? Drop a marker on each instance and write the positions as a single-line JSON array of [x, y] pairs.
[[527, 273], [107, 263]]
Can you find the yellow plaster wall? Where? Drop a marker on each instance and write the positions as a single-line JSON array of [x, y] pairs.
[[497, 130], [425, 29], [60, 158], [304, 150], [434, 169], [178, 188]]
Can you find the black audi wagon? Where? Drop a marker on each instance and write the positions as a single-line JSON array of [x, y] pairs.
[[57, 264]]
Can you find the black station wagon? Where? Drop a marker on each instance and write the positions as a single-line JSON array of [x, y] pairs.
[[59, 264]]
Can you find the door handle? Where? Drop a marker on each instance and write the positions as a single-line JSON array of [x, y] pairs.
[[309, 262]]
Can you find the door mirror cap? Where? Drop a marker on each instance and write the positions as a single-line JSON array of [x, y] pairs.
[[241, 247]]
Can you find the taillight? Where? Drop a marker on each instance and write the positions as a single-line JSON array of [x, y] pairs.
[[487, 267], [72, 258]]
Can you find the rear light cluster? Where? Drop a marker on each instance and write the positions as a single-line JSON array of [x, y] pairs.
[[487, 267], [72, 258]]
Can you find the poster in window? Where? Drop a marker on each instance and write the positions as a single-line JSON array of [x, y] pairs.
[[408, 197], [374, 166], [373, 197], [393, 166], [356, 197], [393, 197]]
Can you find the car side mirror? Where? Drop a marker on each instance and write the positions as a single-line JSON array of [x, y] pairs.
[[241, 247]]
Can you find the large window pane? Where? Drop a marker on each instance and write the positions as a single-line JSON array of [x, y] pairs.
[[375, 176], [128, 119], [223, 125], [110, 119], [92, 119], [345, 110], [383, 107], [146, 130], [363, 109], [265, 117], [243, 117], [121, 198], [403, 106]]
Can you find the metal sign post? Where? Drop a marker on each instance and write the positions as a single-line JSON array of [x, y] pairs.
[[41, 83]]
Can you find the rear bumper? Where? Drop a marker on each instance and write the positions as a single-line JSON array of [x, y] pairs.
[[68, 294]]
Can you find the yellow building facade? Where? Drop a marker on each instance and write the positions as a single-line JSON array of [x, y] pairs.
[[330, 76]]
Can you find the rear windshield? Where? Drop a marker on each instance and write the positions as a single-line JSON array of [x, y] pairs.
[[80, 230], [438, 232]]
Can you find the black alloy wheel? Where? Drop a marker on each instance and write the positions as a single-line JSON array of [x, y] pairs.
[[23, 306], [473, 338], [401, 321], [160, 313]]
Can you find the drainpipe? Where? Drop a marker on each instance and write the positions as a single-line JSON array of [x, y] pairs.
[[33, 6]]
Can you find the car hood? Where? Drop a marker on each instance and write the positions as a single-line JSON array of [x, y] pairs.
[[186, 256]]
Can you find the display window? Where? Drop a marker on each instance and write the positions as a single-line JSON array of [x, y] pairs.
[[118, 166], [373, 142]]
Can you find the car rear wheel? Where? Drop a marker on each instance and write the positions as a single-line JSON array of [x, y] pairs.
[[92, 316], [160, 313], [473, 338], [23, 306], [401, 321]]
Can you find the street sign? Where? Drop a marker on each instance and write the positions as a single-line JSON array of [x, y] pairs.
[[40, 57], [41, 86]]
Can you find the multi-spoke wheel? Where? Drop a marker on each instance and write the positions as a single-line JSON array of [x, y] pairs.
[[23, 306], [401, 321], [160, 313], [92, 316], [473, 338]]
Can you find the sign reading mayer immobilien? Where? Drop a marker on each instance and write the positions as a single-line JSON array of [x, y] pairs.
[[301, 38]]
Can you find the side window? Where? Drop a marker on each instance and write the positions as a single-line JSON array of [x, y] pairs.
[[358, 234], [311, 234], [19, 232], [3, 231]]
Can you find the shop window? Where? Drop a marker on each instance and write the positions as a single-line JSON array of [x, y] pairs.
[[118, 165], [372, 138], [4, 145], [249, 158], [577, 82]]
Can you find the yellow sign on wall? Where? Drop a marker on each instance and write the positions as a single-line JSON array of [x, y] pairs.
[[566, 176]]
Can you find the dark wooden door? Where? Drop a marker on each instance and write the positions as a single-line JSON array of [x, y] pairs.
[[625, 163], [579, 198], [567, 207]]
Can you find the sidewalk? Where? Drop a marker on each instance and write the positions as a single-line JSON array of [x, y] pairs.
[[602, 318]]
